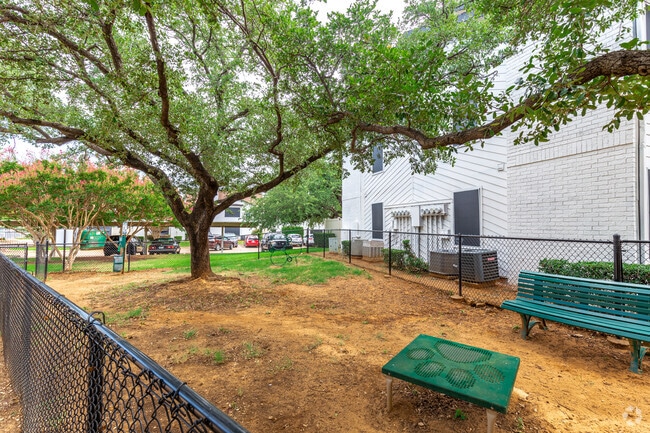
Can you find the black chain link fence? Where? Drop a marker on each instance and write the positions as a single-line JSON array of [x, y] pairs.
[[488, 266], [73, 374]]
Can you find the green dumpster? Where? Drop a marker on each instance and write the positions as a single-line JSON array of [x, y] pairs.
[[92, 239]]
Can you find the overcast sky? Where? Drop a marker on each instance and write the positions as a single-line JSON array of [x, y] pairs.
[[341, 5]]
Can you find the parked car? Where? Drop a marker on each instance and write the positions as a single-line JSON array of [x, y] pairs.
[[164, 246], [275, 241], [295, 240], [232, 237], [133, 246], [217, 242], [252, 241], [309, 240]]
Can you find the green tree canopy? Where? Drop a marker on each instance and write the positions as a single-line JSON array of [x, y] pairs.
[[311, 197], [240, 95], [46, 195]]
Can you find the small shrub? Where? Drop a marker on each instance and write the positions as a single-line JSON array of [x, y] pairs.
[[405, 259], [632, 273], [321, 240], [345, 247]]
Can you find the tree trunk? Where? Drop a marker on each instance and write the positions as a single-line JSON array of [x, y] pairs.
[[200, 257], [197, 227]]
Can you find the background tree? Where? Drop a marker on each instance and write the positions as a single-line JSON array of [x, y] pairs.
[[44, 196], [311, 197], [199, 96], [240, 95], [443, 95]]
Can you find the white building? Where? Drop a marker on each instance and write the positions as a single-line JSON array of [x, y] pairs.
[[585, 183]]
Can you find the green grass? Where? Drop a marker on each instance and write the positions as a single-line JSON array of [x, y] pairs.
[[303, 269], [137, 313]]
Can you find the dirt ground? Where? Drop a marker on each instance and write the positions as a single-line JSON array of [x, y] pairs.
[[294, 358]]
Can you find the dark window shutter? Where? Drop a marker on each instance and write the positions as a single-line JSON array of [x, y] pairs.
[[467, 218], [377, 220]]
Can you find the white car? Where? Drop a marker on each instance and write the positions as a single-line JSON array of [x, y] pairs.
[[295, 240]]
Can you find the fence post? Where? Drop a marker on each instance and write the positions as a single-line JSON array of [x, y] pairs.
[[65, 242], [390, 253], [26, 257], [349, 246], [47, 259], [618, 259], [460, 265], [326, 242]]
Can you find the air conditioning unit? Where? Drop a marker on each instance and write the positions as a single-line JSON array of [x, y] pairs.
[[356, 247], [478, 265], [444, 262], [372, 250]]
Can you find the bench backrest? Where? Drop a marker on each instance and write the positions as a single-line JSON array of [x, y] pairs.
[[599, 296]]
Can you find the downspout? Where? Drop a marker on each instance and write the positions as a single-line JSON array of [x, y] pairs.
[[638, 141]]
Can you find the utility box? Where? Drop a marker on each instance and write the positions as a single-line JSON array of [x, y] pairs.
[[478, 265], [356, 247], [333, 245], [118, 263]]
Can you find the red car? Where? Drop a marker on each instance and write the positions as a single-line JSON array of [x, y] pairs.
[[252, 241]]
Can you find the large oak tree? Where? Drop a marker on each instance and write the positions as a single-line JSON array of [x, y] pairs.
[[240, 95]]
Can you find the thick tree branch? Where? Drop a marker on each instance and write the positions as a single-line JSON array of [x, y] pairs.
[[7, 15], [614, 64]]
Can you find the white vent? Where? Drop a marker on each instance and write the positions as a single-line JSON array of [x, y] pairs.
[[436, 210]]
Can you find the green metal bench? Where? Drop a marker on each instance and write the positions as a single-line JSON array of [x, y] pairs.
[[620, 309], [477, 375]]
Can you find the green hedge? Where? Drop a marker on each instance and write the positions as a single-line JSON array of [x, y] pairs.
[[321, 240], [293, 230], [632, 273]]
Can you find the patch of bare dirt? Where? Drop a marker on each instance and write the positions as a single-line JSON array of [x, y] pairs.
[[308, 358]]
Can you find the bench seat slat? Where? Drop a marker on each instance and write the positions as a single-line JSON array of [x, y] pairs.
[[616, 308], [634, 299], [592, 305], [635, 330]]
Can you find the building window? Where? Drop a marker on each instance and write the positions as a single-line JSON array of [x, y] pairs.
[[378, 221], [233, 212], [377, 159]]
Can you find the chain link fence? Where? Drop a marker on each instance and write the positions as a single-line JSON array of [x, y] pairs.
[[73, 374], [488, 266]]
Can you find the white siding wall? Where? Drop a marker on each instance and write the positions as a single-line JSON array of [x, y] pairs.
[[584, 183], [399, 190]]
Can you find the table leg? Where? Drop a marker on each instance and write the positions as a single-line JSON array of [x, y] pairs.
[[491, 420], [389, 392]]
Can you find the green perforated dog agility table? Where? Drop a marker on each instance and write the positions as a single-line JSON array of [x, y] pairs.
[[479, 376]]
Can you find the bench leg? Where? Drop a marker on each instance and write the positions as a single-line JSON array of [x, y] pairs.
[[527, 324], [638, 352], [389, 392], [491, 420]]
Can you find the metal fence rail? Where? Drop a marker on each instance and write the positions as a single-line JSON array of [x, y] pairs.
[[488, 266], [73, 374]]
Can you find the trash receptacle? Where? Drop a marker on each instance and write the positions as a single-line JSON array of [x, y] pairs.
[[118, 263]]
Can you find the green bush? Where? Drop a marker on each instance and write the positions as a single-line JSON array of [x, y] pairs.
[[345, 246], [404, 259], [321, 240], [298, 230], [632, 273]]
